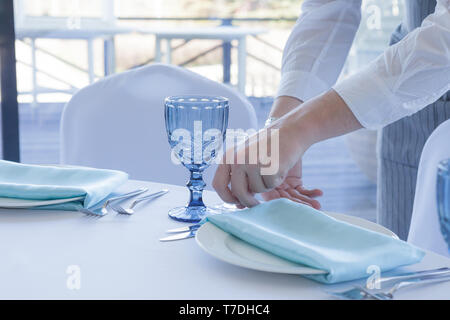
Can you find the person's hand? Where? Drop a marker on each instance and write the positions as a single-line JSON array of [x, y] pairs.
[[318, 119], [292, 188], [246, 179]]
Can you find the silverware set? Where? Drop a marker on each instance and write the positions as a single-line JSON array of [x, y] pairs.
[[119, 209], [397, 283]]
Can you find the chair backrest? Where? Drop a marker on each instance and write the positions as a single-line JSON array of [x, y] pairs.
[[425, 230], [118, 122]]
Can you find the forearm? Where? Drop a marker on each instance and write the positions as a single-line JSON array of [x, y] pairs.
[[283, 105], [318, 119]]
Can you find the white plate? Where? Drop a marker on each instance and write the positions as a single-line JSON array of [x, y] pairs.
[[12, 203], [228, 248]]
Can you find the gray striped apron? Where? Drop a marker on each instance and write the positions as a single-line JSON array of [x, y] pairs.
[[401, 143]]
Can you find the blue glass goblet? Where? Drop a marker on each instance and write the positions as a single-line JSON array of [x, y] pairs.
[[196, 127], [443, 198]]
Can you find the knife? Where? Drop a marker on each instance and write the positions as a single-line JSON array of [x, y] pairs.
[[179, 236], [185, 229]]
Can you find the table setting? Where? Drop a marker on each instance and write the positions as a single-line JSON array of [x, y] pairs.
[[139, 240]]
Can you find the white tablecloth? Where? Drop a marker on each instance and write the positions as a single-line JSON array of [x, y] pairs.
[[120, 257]]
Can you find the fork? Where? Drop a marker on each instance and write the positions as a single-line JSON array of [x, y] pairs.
[[104, 209], [360, 293], [389, 295], [119, 209]]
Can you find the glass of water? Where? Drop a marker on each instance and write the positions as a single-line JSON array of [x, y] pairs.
[[196, 127], [443, 198]]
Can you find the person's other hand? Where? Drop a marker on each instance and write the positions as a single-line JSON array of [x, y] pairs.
[[292, 188]]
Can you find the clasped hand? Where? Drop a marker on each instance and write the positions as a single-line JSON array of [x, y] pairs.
[[238, 181]]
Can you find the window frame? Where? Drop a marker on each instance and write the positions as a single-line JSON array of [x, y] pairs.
[[9, 112]]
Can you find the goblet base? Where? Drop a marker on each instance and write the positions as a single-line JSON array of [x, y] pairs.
[[191, 214]]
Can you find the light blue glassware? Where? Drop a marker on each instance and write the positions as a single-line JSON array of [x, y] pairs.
[[443, 198], [196, 127]]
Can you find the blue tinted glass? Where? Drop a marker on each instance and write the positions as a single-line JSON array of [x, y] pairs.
[[443, 198], [196, 127]]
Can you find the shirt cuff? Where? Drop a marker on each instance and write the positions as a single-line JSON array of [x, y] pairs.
[[368, 97], [301, 85]]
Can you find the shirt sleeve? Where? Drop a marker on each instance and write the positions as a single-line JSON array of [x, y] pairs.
[[407, 77], [318, 47]]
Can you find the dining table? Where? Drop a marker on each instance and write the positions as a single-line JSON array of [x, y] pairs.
[[226, 34], [52, 254]]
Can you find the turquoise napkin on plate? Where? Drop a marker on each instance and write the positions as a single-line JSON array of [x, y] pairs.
[[34, 182], [307, 236]]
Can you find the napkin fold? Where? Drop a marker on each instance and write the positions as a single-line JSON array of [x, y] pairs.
[[307, 236], [35, 182]]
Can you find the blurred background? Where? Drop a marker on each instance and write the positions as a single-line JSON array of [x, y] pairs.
[[63, 45]]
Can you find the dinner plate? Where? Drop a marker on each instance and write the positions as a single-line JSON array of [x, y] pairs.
[[13, 203], [228, 248]]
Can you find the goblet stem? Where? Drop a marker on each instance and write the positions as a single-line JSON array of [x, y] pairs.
[[196, 186], [196, 210]]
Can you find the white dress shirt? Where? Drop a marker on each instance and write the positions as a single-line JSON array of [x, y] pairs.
[[404, 79]]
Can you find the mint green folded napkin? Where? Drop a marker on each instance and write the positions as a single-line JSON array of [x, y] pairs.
[[307, 236], [35, 182]]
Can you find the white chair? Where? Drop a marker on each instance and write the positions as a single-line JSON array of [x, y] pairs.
[[425, 230], [118, 122]]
